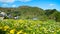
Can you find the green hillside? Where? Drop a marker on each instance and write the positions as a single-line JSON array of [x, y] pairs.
[[28, 12]]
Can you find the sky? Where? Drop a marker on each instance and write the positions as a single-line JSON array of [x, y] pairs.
[[44, 4]]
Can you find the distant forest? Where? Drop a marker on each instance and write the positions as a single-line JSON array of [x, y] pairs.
[[28, 12]]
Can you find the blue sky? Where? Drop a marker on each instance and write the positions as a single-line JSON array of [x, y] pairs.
[[44, 4]]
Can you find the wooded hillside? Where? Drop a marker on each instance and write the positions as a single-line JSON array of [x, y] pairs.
[[28, 12]]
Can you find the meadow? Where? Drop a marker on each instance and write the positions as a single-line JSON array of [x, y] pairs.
[[11, 26]]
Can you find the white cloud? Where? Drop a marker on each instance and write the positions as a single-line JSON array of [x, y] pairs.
[[6, 1], [24, 0], [13, 5], [10, 1], [4, 5], [51, 4]]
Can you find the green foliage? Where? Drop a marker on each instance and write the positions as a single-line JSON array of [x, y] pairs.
[[27, 12], [49, 11], [53, 14], [58, 17]]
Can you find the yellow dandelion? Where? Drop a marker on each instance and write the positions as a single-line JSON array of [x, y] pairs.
[[25, 33], [6, 27], [54, 32], [20, 21], [12, 31], [20, 32], [0, 27]]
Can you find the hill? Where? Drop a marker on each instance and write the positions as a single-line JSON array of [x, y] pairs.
[[28, 12]]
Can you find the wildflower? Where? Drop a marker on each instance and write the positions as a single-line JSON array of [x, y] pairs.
[[20, 21], [6, 27], [0, 27], [20, 32], [54, 32], [25, 33], [12, 31]]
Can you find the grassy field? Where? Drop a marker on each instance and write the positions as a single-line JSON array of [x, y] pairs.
[[10, 26]]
